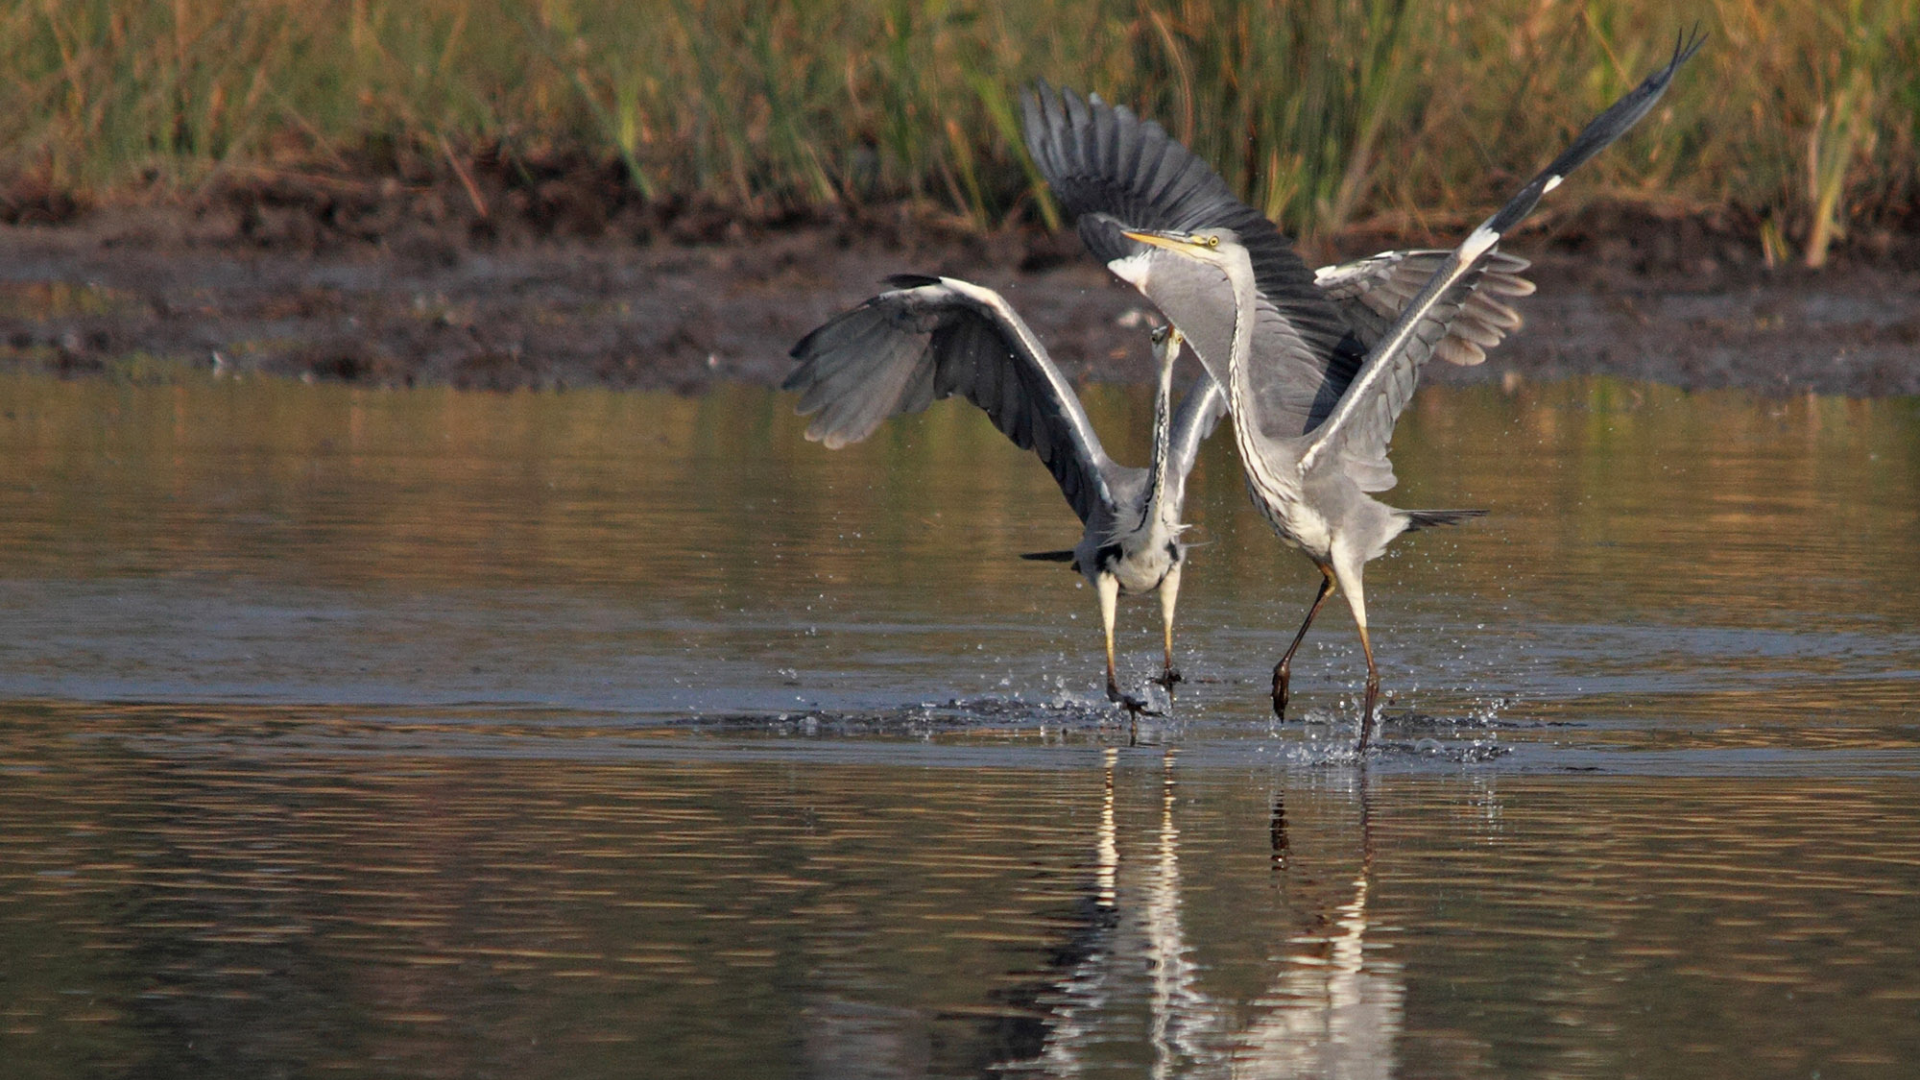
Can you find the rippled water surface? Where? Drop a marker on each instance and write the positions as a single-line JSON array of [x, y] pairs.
[[437, 734]]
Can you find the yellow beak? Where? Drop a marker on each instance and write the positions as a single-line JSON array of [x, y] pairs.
[[1155, 240]]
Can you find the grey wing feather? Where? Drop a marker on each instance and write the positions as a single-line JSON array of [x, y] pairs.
[[1378, 402], [908, 347], [1115, 172], [1361, 427], [1199, 413], [1371, 293], [857, 371]]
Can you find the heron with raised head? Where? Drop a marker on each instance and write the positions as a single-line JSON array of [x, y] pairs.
[[928, 338], [1314, 401]]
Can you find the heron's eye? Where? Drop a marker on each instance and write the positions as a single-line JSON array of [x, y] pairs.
[[1213, 241]]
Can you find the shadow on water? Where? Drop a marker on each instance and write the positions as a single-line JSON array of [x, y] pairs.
[[586, 734]]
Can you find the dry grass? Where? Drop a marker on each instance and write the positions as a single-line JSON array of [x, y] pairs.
[[1799, 118]]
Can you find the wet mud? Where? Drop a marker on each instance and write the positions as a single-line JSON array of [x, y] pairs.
[[381, 291]]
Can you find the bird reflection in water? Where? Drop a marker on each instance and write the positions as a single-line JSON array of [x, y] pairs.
[[1182, 1017], [1077, 1003], [1277, 830], [1327, 1011]]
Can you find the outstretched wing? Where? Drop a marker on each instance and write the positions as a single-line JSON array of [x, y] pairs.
[[928, 338], [1371, 292], [1362, 425], [1118, 173]]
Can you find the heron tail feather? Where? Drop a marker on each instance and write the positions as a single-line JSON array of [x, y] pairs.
[[1049, 556], [1427, 519]]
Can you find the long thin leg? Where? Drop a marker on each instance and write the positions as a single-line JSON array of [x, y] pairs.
[[1108, 587], [1373, 691], [1169, 595], [1357, 600], [1283, 671]]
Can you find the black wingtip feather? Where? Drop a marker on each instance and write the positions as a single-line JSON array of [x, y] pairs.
[[1601, 132]]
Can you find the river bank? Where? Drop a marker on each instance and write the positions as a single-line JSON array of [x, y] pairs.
[[404, 301]]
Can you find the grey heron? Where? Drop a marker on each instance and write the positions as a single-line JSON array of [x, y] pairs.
[[928, 338], [1314, 402]]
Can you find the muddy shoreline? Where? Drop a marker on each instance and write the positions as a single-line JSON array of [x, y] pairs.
[[1669, 299]]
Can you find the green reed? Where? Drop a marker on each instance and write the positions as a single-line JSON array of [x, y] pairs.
[[1800, 118]]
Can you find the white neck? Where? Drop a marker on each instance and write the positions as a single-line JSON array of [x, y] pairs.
[[1156, 510], [1275, 491], [1240, 398]]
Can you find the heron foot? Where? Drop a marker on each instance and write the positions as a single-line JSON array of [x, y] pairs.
[[1168, 679], [1280, 680], [1369, 714], [1136, 706]]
